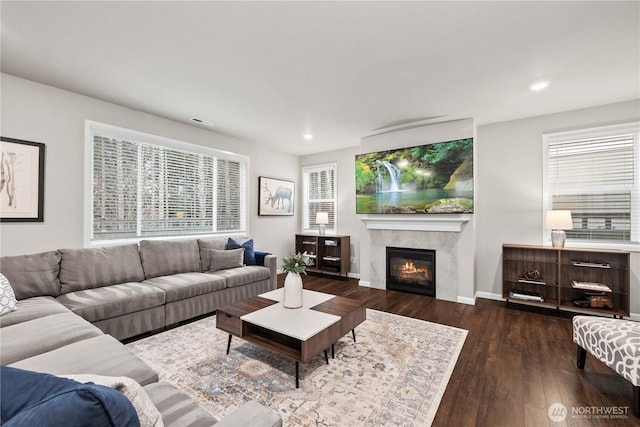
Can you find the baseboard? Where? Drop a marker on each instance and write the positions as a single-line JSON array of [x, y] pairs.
[[489, 295], [465, 300], [353, 275], [364, 284]]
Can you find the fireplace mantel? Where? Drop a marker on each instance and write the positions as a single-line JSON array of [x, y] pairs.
[[451, 223]]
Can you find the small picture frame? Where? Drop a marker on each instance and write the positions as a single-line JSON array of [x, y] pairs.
[[276, 197], [21, 180]]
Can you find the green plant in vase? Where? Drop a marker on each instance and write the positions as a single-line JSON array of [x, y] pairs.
[[294, 266]]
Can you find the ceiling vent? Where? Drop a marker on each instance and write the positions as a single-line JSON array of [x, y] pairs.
[[201, 121]]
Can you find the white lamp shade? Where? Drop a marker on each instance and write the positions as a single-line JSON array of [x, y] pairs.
[[559, 220], [322, 218]]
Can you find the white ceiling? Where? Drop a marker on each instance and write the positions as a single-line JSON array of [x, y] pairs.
[[271, 71]]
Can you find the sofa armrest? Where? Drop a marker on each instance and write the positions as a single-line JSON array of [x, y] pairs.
[[251, 414], [271, 262]]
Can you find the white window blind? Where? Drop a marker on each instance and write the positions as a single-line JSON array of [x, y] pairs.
[[594, 174], [319, 187], [142, 189]]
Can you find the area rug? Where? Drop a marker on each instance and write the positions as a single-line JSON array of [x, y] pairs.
[[394, 374]]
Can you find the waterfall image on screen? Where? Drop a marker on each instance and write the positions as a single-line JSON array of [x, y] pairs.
[[433, 179]]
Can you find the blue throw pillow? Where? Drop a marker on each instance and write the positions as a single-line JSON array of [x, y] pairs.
[[35, 399], [249, 253]]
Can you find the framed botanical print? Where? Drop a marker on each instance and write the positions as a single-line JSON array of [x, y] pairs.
[[21, 180], [275, 196]]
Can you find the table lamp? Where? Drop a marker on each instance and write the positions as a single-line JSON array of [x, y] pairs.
[[322, 219], [558, 221]]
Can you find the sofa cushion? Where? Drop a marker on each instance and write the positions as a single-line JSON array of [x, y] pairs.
[[101, 355], [96, 267], [7, 297], [251, 413], [36, 399], [249, 252], [221, 260], [177, 408], [40, 335], [112, 301], [243, 276], [32, 275], [186, 285], [33, 308], [205, 245], [164, 257]]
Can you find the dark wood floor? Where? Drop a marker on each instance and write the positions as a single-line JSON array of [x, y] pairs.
[[516, 361]]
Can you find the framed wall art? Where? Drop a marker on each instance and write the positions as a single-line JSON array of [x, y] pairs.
[[21, 180], [275, 196]]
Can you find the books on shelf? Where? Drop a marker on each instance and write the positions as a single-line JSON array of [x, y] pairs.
[[526, 295], [590, 286], [331, 258]]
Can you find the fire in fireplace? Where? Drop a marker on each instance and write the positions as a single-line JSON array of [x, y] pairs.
[[411, 270]]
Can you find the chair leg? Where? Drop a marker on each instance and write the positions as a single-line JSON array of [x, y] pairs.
[[229, 344], [582, 357], [636, 401]]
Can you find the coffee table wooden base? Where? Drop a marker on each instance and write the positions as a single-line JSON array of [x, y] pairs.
[[344, 315], [326, 359]]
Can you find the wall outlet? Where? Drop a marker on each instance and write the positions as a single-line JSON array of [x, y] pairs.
[[353, 260]]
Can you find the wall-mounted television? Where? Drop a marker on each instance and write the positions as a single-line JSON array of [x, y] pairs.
[[434, 178]]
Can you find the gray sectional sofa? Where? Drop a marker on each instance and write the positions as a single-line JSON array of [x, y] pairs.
[[76, 305]]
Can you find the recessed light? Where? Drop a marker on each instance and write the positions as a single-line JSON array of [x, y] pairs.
[[308, 136], [538, 86]]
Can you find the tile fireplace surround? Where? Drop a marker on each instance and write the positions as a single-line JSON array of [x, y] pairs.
[[450, 236]]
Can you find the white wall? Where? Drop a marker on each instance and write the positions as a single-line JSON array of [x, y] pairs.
[[508, 175], [509, 197], [40, 113], [350, 224], [348, 221]]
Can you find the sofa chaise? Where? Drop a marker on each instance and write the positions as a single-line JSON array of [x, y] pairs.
[[74, 306]]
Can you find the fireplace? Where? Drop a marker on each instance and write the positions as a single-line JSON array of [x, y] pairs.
[[411, 270]]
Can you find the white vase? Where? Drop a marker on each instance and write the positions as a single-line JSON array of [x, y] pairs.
[[292, 297]]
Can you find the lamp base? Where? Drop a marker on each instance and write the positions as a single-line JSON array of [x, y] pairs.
[[322, 229], [558, 237]]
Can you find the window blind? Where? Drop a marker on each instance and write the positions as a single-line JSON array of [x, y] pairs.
[[145, 190], [596, 179], [319, 194]]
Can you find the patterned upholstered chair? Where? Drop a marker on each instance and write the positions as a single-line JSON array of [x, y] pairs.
[[616, 343]]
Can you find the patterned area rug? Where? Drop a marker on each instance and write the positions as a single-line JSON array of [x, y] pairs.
[[393, 375]]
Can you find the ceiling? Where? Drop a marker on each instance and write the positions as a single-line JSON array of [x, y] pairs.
[[270, 72]]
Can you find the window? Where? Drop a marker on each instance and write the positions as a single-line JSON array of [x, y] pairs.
[[595, 173], [146, 186], [319, 187]]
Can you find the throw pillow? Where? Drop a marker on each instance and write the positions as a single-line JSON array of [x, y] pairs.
[[148, 414], [35, 399], [249, 253], [221, 260], [8, 301]]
